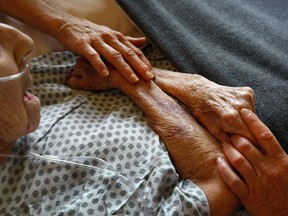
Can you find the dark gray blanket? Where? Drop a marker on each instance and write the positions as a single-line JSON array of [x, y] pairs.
[[231, 42]]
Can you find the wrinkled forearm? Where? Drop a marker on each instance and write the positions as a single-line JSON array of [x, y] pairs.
[[44, 15], [194, 85], [192, 150], [215, 106]]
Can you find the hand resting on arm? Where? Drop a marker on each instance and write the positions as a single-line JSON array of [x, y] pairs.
[[84, 37], [216, 107], [193, 150]]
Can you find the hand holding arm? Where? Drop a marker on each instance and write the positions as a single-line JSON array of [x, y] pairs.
[[95, 41], [185, 139], [261, 183], [215, 106]]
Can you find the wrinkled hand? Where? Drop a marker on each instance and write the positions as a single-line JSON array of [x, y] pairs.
[[84, 77], [214, 106], [218, 109], [261, 183], [95, 41]]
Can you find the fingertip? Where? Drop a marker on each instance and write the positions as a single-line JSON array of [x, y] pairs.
[[133, 78], [220, 161], [104, 72], [221, 166], [149, 75], [137, 41]]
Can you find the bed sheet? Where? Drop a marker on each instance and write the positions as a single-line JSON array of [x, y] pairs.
[[232, 43], [93, 154]]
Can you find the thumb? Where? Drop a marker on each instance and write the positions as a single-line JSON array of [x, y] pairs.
[[76, 82]]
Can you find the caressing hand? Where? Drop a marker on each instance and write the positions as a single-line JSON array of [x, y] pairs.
[[261, 182], [94, 41]]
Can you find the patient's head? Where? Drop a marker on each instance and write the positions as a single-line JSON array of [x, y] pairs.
[[19, 110]]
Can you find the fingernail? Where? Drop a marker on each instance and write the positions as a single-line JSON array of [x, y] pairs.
[[220, 160], [245, 113], [149, 75], [105, 72], [134, 78]]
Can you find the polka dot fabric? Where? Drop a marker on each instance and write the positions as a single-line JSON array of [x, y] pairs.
[[93, 154]]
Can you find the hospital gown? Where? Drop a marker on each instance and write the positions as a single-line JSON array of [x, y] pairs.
[[93, 154]]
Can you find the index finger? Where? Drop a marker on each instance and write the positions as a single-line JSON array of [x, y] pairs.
[[94, 58], [141, 65], [133, 56], [234, 124], [264, 136]]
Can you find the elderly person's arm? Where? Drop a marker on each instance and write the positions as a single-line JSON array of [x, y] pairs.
[[83, 37], [193, 150], [216, 107], [262, 171]]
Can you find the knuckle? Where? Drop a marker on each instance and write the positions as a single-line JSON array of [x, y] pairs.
[[233, 183], [230, 118], [80, 42], [272, 175], [249, 89], [267, 135], [94, 55], [244, 147], [128, 53], [249, 92], [139, 52], [119, 35], [237, 161], [115, 55], [107, 35], [231, 114]]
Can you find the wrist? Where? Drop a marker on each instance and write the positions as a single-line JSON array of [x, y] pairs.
[[57, 25]]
